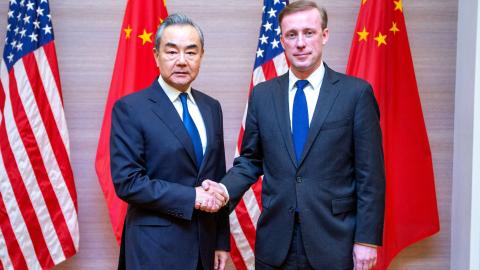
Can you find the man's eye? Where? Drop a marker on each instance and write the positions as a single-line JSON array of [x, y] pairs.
[[291, 35]]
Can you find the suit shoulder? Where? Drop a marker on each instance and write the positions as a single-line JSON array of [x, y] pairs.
[[267, 87], [353, 82], [135, 97], [205, 97], [272, 83]]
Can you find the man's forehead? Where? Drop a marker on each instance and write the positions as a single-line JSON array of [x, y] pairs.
[[300, 19]]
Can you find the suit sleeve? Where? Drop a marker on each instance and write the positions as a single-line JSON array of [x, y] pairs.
[[369, 170], [223, 224], [131, 182], [249, 165]]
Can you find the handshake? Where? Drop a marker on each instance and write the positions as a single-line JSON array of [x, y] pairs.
[[210, 197]]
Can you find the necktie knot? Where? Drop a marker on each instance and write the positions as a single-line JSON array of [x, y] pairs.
[[301, 84], [183, 98]]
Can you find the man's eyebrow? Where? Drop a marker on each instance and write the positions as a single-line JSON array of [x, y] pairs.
[[192, 46], [171, 44]]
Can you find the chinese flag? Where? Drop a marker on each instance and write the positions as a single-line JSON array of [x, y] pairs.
[[381, 55], [134, 69]]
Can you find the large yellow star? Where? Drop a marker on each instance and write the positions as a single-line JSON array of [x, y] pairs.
[[363, 2], [394, 28], [362, 35], [146, 37], [381, 39], [127, 31], [398, 5]]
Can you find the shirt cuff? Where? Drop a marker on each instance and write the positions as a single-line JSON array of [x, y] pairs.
[[367, 245], [226, 191]]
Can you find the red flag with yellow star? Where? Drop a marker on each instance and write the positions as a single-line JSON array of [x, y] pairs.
[[134, 69], [380, 54]]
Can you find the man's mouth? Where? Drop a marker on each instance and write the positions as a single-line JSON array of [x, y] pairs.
[[181, 73], [300, 55]]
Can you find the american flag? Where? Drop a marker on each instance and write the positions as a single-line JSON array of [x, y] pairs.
[[270, 62], [38, 200]]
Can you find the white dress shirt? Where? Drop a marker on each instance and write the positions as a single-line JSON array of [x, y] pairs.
[[311, 90], [174, 96]]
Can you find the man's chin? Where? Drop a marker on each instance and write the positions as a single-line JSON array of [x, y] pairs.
[[181, 82]]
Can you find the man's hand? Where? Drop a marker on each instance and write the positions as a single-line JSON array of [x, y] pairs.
[[216, 189], [364, 257], [210, 197], [206, 201], [220, 259]]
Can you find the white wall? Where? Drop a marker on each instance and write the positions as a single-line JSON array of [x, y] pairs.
[[465, 249]]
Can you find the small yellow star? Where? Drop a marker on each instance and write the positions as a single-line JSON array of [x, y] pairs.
[[127, 31], [363, 35], [363, 2], [381, 39], [398, 5], [146, 37], [160, 20], [394, 28]]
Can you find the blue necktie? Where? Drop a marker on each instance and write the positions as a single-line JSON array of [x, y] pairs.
[[300, 119], [192, 130]]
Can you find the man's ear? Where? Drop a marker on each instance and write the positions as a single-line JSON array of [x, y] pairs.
[[155, 56], [325, 36]]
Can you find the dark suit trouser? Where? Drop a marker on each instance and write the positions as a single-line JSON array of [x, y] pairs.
[[296, 257]]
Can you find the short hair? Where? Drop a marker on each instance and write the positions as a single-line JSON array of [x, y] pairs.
[[177, 19], [303, 5]]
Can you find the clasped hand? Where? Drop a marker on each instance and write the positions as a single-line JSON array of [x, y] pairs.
[[210, 197]]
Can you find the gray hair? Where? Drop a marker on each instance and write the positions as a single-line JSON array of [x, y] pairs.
[[176, 19]]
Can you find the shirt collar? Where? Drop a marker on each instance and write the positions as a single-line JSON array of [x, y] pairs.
[[172, 93], [315, 79]]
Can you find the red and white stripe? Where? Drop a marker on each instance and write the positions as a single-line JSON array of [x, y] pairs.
[[243, 221], [38, 200]]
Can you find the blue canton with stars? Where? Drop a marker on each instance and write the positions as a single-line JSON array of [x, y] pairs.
[[269, 45], [29, 27]]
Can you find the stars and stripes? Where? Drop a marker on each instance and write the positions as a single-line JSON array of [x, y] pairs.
[[38, 200], [270, 62]]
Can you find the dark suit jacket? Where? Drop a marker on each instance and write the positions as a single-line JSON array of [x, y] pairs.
[[338, 186], [154, 171]]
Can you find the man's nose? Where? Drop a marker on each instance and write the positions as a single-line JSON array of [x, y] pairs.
[[181, 59], [300, 41]]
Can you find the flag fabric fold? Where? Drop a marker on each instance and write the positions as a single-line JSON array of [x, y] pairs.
[[38, 199], [380, 54], [270, 62], [134, 70]]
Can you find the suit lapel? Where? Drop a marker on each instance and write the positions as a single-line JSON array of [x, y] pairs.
[[164, 109], [280, 97], [328, 94], [206, 112]]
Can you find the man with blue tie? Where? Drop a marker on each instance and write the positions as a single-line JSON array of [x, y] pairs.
[[315, 136], [164, 141]]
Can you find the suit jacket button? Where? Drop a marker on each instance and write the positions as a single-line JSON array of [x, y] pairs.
[[299, 179]]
